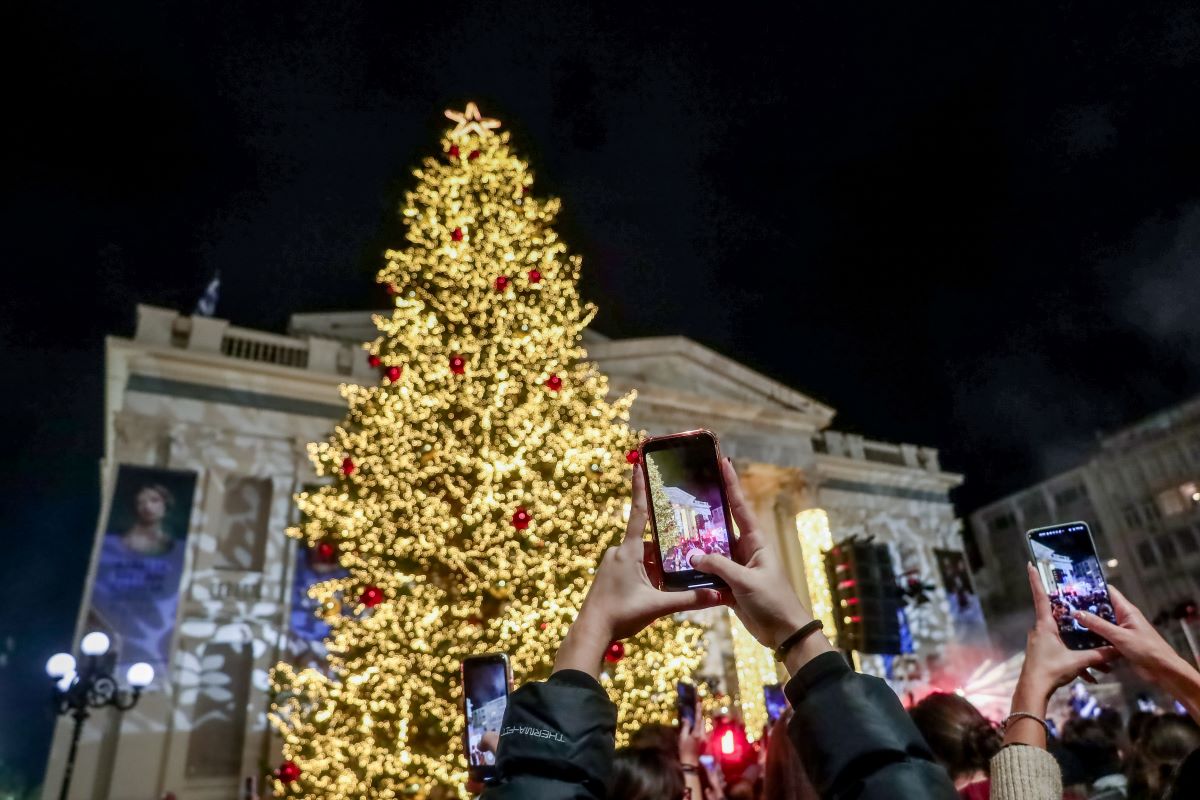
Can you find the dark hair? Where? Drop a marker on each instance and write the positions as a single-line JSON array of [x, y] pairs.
[[656, 736], [785, 777], [962, 740], [160, 490], [645, 773], [1137, 724], [1094, 747], [1165, 742]]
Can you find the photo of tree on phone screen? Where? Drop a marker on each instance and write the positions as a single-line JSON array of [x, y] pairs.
[[688, 509]]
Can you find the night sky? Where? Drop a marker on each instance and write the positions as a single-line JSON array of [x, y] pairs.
[[962, 227]]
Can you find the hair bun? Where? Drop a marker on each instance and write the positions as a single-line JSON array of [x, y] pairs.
[[981, 742]]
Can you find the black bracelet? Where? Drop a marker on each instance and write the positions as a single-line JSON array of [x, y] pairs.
[[797, 637]]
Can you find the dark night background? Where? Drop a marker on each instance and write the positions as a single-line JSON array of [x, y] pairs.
[[965, 227]]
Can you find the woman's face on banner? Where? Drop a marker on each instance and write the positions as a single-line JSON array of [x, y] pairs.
[[151, 507]]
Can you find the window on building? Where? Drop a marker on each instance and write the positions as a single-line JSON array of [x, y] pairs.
[[1187, 540], [971, 548], [1166, 548], [1150, 513], [1170, 502], [1004, 522], [1146, 553], [1069, 495], [242, 541], [1132, 516]]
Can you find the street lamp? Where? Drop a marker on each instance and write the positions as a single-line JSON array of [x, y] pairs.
[[89, 683]]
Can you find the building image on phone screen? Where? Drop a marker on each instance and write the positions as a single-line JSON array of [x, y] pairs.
[[1071, 572], [487, 696], [688, 509]]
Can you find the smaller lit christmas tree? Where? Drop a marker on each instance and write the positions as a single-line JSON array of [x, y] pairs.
[[669, 534]]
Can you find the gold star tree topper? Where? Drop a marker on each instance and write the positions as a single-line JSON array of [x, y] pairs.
[[469, 121]]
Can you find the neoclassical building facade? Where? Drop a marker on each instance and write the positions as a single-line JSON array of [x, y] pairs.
[[237, 408]]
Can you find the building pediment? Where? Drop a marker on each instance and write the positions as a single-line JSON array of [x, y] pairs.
[[679, 367]]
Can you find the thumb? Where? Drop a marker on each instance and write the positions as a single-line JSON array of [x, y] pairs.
[[727, 570], [1099, 625]]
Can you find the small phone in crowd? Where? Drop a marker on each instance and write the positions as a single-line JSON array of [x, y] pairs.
[[689, 512], [1065, 558], [485, 680], [775, 701], [685, 704]]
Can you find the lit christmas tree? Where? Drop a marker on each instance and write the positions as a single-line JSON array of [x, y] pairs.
[[473, 492], [669, 534]]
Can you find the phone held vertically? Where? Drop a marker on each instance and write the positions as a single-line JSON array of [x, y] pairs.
[[685, 704], [775, 701], [689, 511], [1066, 560], [485, 680]]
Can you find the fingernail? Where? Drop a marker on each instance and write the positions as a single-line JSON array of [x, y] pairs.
[[692, 561]]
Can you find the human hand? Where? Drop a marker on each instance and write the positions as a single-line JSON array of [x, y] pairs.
[[1049, 663], [1135, 638], [691, 738], [762, 594], [622, 600]]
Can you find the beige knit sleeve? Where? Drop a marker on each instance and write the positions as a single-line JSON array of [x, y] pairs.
[[1022, 772]]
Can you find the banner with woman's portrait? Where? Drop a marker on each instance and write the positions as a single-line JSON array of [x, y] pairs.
[[136, 592]]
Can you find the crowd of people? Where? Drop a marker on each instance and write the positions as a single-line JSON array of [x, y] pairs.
[[845, 735], [1064, 607]]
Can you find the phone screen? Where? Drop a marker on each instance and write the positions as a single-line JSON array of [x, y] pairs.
[[775, 700], [688, 505], [686, 704], [1065, 558], [485, 696]]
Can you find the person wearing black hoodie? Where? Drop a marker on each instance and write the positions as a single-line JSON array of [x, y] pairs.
[[853, 735]]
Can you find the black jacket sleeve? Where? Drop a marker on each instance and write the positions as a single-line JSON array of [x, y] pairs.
[[856, 740], [557, 741]]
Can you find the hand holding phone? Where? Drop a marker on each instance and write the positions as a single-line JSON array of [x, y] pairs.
[[1066, 560], [689, 511], [485, 680]]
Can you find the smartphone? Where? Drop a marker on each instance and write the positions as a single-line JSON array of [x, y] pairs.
[[485, 680], [775, 701], [689, 512], [1065, 558], [685, 704]]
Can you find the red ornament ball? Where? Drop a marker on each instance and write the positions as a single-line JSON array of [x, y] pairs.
[[453, 151], [288, 772], [475, 620], [474, 155], [348, 466], [535, 276], [393, 373], [371, 596], [633, 456], [374, 360], [458, 365], [554, 383], [501, 283], [457, 234], [521, 518], [391, 288], [615, 652], [325, 552]]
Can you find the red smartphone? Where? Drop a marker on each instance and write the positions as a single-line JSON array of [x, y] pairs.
[[1065, 558], [689, 511], [485, 680]]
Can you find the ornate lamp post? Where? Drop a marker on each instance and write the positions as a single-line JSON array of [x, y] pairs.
[[80, 687]]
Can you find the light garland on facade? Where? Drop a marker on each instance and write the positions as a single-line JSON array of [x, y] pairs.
[[812, 529], [755, 670]]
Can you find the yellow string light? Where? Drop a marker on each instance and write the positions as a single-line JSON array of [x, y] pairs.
[[472, 492], [755, 669], [812, 528]]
